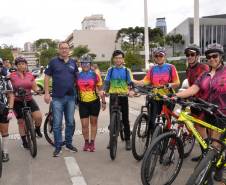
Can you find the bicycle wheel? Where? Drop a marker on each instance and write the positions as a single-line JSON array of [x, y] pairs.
[[202, 173], [140, 136], [48, 129], [188, 142], [0, 157], [30, 134], [163, 160], [158, 131], [113, 135]]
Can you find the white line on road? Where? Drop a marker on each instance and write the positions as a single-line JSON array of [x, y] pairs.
[[74, 171]]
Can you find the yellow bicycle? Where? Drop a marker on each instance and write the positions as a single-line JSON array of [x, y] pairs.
[[163, 159]]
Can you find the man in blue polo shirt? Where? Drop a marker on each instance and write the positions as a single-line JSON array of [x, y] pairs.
[[63, 71]]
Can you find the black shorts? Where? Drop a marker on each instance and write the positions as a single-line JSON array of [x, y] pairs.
[[3, 117], [87, 109], [19, 105]]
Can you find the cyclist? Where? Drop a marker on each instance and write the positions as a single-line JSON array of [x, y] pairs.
[[212, 86], [5, 112], [161, 74], [193, 71], [89, 103], [23, 78], [119, 81]]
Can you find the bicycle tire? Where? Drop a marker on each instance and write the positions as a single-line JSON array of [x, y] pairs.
[[191, 139], [48, 129], [163, 139], [142, 136], [158, 131], [113, 135], [203, 170], [1, 157], [31, 136]]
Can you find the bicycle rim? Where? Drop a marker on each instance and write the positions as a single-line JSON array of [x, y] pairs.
[[140, 136], [31, 137], [48, 129], [163, 160], [113, 136]]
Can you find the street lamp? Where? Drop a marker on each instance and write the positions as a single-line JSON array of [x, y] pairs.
[[196, 22], [146, 40]]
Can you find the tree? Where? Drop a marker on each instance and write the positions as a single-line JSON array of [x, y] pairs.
[[173, 40], [41, 44], [80, 50], [6, 52], [133, 60], [46, 55]]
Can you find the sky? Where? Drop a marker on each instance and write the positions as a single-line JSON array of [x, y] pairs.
[[29, 20]]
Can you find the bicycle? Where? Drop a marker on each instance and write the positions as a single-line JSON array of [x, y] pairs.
[[0, 156], [163, 124], [168, 147], [116, 127], [29, 125], [48, 127]]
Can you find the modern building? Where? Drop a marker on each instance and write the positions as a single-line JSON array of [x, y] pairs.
[[161, 23], [212, 29], [93, 22], [31, 58], [28, 47], [99, 40]]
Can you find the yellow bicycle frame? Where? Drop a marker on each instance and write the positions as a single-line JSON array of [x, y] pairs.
[[188, 120]]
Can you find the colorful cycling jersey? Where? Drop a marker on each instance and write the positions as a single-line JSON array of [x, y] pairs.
[[26, 82], [117, 80], [194, 72], [214, 89], [87, 83], [160, 75]]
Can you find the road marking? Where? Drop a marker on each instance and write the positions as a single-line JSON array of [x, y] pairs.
[[74, 171]]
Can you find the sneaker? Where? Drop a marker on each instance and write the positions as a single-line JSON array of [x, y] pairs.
[[197, 158], [38, 132], [25, 145], [92, 147], [5, 157], [71, 148], [57, 152], [86, 147], [128, 145]]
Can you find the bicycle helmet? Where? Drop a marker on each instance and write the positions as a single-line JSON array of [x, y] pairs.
[[192, 48], [86, 59], [159, 50], [20, 59], [212, 48]]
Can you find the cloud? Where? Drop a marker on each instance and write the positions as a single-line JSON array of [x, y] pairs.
[[10, 27]]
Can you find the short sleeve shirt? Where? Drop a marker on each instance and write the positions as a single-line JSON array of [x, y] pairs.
[[26, 83], [159, 75], [214, 89], [63, 76], [119, 78], [87, 83]]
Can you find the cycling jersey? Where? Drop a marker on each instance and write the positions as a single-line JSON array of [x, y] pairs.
[[87, 82], [117, 80], [25, 83], [159, 75], [214, 89]]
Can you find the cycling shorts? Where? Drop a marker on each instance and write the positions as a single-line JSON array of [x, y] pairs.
[[87, 109]]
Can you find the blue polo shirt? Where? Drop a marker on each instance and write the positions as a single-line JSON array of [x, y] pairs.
[[63, 76]]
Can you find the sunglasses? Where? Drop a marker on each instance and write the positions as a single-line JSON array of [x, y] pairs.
[[85, 64], [211, 56], [160, 55], [190, 54]]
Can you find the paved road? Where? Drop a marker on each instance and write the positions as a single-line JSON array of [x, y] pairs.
[[82, 168]]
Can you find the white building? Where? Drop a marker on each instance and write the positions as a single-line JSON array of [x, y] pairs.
[[28, 47], [93, 22]]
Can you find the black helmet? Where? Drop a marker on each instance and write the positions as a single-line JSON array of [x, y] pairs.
[[20, 59], [192, 48], [86, 59], [159, 50], [212, 48]]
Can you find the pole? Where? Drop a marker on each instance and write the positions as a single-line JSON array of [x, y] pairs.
[[146, 40], [196, 22]]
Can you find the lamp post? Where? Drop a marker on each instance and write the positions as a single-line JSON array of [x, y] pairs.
[[146, 40], [196, 22]]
